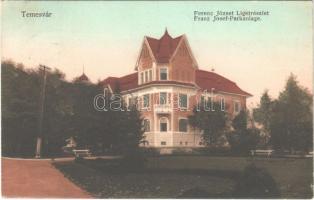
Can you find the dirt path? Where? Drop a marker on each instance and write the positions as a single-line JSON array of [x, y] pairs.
[[37, 179]]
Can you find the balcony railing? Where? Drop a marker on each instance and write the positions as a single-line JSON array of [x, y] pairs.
[[162, 108]]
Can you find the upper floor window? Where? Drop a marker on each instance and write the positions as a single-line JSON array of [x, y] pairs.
[[163, 74], [183, 125], [150, 75], [163, 98], [237, 107], [222, 103], [183, 100], [206, 102], [146, 125], [142, 77], [146, 101], [130, 102], [146, 76]]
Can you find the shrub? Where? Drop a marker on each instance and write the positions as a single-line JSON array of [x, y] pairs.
[[133, 161], [256, 183], [242, 142]]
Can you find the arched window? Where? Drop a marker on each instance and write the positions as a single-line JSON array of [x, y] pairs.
[[163, 124], [183, 125], [146, 125]]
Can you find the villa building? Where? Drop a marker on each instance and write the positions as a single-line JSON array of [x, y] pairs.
[[167, 85]]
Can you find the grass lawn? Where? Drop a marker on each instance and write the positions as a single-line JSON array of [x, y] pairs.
[[170, 176]]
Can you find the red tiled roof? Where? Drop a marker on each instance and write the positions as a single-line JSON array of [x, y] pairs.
[[123, 83], [204, 79], [131, 82], [208, 80], [163, 48]]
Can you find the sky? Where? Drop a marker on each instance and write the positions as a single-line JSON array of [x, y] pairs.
[[105, 38]]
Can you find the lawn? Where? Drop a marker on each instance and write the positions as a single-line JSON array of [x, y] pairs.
[[171, 176]]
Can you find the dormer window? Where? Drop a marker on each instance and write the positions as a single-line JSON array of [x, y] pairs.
[[163, 74], [150, 75], [142, 78], [146, 76]]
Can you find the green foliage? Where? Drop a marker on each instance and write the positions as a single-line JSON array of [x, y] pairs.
[[242, 142], [291, 119], [239, 123], [20, 105], [68, 112], [213, 123], [262, 114], [19, 109], [242, 139]]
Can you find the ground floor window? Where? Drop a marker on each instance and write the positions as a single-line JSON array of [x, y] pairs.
[[146, 125], [163, 143], [146, 101], [163, 125], [183, 125]]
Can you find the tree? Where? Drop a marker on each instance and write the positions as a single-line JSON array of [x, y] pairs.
[[291, 121], [21, 89], [242, 139], [213, 123], [20, 95], [239, 123], [69, 112], [262, 114], [114, 129], [87, 125]]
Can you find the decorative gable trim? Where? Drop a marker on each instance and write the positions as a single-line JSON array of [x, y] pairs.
[[184, 39], [145, 42]]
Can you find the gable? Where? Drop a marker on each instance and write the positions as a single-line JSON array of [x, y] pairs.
[[182, 54], [145, 57], [184, 51]]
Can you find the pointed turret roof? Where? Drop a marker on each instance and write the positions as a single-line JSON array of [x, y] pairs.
[[164, 47], [83, 77]]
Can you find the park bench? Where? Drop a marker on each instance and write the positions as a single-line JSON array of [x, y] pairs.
[[82, 153], [268, 153], [310, 155]]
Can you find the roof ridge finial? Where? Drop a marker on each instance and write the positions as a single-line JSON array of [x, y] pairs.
[[167, 33]]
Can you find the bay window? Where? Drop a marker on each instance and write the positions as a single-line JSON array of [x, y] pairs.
[[163, 98], [183, 100], [146, 101]]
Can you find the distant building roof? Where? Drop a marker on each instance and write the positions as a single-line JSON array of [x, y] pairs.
[[82, 78]]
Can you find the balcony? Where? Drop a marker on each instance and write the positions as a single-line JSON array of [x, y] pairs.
[[162, 108]]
